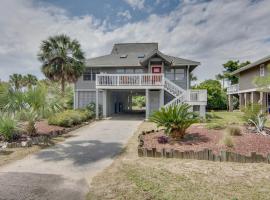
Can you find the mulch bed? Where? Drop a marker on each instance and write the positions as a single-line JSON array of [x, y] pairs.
[[200, 138], [43, 128]]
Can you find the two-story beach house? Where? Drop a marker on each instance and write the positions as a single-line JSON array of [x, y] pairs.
[[246, 90], [137, 69]]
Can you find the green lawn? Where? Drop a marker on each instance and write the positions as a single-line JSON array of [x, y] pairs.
[[133, 177], [221, 119]]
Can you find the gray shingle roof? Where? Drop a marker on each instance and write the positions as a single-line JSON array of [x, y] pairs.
[[133, 50], [254, 64]]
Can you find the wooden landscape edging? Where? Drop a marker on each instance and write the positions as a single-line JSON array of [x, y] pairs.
[[206, 154]]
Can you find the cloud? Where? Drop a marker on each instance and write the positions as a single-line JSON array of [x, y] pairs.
[[139, 4], [211, 32], [126, 14]]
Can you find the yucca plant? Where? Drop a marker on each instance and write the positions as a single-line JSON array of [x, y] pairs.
[[175, 119]]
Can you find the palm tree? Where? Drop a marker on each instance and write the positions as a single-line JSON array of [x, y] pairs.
[[16, 80], [30, 80], [62, 59]]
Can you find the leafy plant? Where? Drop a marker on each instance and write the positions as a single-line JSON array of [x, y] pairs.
[[251, 112], [259, 122], [7, 127], [234, 130], [163, 139], [175, 119], [92, 108], [69, 118]]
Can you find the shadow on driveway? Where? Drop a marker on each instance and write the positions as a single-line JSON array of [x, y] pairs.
[[81, 152]]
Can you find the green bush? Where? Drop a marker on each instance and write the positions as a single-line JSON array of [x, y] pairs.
[[7, 128], [234, 130], [175, 119], [92, 108], [70, 118]]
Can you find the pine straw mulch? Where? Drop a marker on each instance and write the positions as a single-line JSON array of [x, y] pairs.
[[199, 138]]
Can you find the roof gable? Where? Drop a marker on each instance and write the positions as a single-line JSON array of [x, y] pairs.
[[125, 48]]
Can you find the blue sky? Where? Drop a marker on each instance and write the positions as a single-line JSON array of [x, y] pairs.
[[210, 32], [116, 12]]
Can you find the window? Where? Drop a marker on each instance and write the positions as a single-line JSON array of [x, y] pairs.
[[262, 70], [141, 56], [87, 74], [175, 74], [90, 74], [94, 73], [179, 74], [129, 71], [120, 71], [123, 56], [138, 71]]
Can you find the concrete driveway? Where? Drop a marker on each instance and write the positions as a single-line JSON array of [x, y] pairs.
[[65, 170]]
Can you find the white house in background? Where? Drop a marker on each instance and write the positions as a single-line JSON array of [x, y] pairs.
[[137, 69]]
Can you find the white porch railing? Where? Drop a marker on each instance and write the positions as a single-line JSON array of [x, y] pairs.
[[130, 80], [196, 95], [233, 89]]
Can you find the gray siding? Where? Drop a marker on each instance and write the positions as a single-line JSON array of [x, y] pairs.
[[247, 77], [83, 98], [154, 100]]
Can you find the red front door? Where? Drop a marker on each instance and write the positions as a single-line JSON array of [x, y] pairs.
[[156, 69]]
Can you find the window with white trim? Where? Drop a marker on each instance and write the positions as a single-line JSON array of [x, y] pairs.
[[262, 70]]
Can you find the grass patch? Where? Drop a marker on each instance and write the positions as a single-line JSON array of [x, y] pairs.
[[132, 177], [221, 119]]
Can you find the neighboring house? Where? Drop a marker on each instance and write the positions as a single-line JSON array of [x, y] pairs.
[[245, 90], [137, 69]]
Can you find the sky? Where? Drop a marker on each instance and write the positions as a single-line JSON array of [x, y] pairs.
[[209, 31]]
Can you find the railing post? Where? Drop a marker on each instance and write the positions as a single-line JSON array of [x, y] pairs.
[[117, 79]]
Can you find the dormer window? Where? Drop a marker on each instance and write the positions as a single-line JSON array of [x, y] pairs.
[[141, 56], [262, 70], [123, 56]]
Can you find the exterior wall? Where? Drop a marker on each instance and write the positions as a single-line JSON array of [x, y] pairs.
[[246, 77], [83, 98], [154, 100]]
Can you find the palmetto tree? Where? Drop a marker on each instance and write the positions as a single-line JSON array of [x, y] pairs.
[[175, 119], [16, 80], [62, 59], [29, 80]]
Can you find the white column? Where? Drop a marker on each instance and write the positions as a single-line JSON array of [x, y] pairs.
[[187, 77], [202, 111], [161, 98], [147, 107], [97, 110], [104, 104]]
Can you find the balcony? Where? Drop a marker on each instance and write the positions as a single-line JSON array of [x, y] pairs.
[[233, 89], [130, 81]]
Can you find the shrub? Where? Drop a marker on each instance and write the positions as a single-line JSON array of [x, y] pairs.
[[233, 130], [92, 108], [7, 128], [251, 112], [227, 140], [175, 119], [259, 122], [69, 118]]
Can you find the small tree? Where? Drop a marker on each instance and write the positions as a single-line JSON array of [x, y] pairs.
[[62, 59], [16, 80], [175, 119], [29, 80]]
